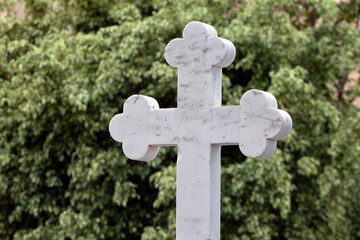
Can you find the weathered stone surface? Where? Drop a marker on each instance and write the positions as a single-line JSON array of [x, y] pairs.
[[199, 126]]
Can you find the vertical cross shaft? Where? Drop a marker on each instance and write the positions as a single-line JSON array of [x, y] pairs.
[[198, 163]]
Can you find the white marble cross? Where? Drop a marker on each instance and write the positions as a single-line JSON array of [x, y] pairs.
[[199, 126]]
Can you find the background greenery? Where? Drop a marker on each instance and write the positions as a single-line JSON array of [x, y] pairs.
[[68, 68]]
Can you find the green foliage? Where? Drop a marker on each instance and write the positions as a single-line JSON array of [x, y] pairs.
[[68, 68]]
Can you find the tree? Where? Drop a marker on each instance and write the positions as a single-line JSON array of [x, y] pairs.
[[68, 68]]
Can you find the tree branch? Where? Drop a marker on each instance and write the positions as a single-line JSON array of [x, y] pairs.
[[340, 85]]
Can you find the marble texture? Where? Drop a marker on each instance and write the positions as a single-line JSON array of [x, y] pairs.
[[199, 126]]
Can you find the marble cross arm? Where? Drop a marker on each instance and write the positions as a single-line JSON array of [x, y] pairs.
[[255, 125], [143, 127]]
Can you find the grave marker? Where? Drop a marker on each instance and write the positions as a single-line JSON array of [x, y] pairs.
[[199, 126]]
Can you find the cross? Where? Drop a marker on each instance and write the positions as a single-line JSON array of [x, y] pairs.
[[199, 126]]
